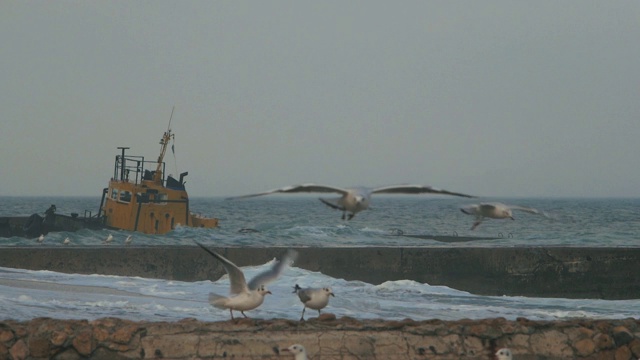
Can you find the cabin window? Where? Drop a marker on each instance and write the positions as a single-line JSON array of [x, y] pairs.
[[114, 194], [125, 196], [162, 198]]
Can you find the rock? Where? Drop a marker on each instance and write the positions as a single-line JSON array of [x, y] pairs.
[[124, 334], [58, 338], [171, 345], [326, 317], [39, 346], [19, 350], [83, 342], [6, 335], [4, 352], [551, 343], [623, 353], [622, 335], [584, 347], [603, 341], [634, 346]]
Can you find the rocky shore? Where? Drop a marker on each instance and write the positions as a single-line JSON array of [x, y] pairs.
[[325, 338]]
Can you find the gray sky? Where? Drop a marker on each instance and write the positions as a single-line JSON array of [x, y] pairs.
[[492, 98]]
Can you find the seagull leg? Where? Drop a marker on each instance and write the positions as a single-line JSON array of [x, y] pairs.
[[475, 224], [344, 215], [318, 312], [242, 312], [231, 312], [351, 216], [302, 317]]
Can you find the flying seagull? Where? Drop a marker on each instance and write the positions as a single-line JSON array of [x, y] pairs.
[[245, 296], [313, 298], [353, 200], [495, 211]]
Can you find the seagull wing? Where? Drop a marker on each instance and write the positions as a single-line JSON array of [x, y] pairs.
[[236, 277], [304, 295], [332, 203], [274, 272], [473, 209], [528, 209], [304, 188], [415, 189]]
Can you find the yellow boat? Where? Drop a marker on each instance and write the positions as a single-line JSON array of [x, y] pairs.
[[139, 198]]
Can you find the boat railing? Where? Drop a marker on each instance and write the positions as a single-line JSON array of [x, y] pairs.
[[135, 169]]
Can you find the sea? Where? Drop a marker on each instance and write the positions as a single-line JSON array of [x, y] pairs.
[[302, 220]]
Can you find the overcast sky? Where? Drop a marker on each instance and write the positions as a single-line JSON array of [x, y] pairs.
[[491, 98]]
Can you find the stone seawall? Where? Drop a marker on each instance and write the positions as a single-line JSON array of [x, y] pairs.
[[604, 273], [325, 338]]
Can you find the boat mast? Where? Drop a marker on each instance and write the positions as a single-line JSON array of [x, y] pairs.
[[157, 176]]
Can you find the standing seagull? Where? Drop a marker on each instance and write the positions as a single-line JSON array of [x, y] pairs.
[[246, 296], [128, 240], [504, 354], [41, 238], [108, 239], [67, 241], [313, 298], [298, 351], [353, 200], [494, 211]]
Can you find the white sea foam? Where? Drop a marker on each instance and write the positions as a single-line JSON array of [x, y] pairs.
[[27, 294]]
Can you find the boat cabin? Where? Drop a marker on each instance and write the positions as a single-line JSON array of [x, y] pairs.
[[140, 198]]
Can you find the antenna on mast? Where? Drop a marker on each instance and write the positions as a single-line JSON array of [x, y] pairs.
[[171, 117], [158, 175]]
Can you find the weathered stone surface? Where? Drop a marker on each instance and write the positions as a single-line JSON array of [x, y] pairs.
[[585, 347], [39, 346], [58, 338], [124, 334], [19, 350], [343, 339], [6, 335], [552, 343], [634, 346], [623, 353], [83, 342], [622, 335], [603, 341], [171, 345]]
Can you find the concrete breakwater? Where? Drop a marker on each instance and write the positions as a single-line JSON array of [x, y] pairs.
[[324, 338], [569, 272]]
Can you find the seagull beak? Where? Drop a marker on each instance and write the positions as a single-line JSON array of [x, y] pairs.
[[332, 294], [512, 218], [269, 292], [285, 349]]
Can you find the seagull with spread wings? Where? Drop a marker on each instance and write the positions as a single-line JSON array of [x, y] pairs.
[[353, 200], [495, 211], [245, 296]]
